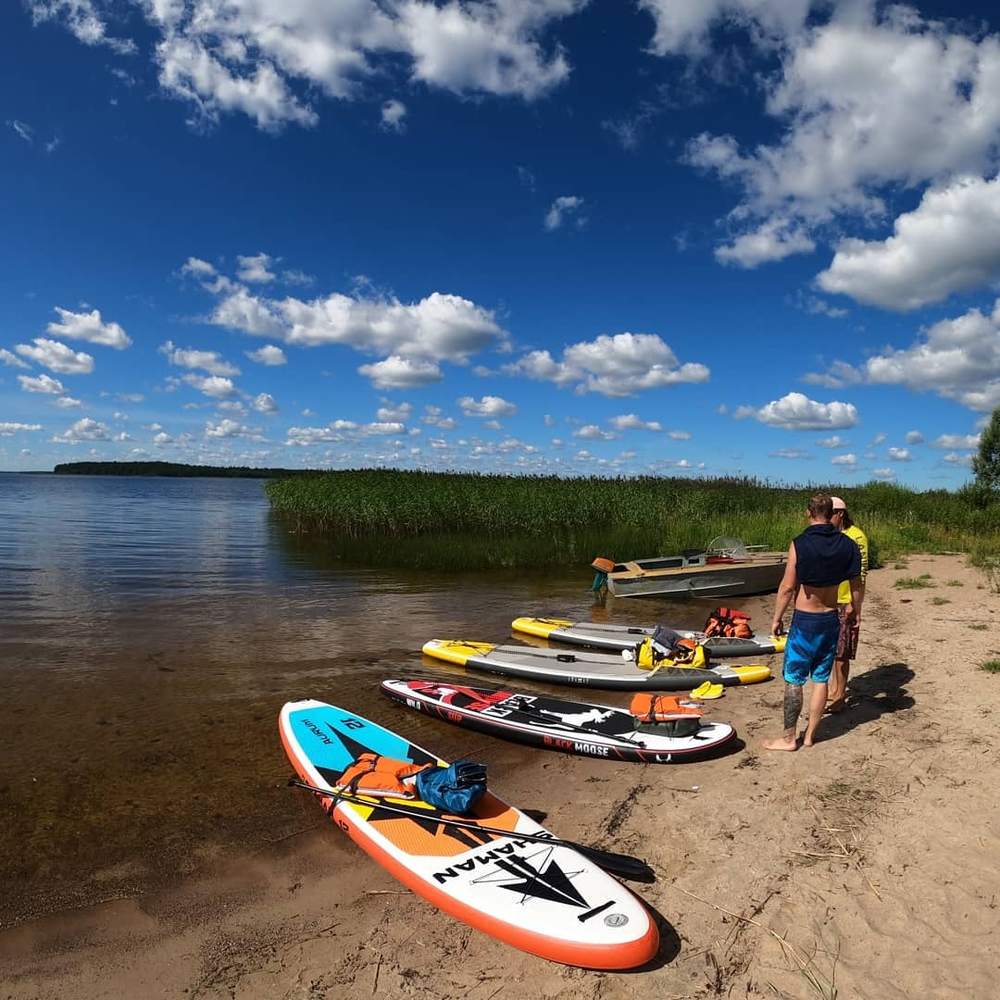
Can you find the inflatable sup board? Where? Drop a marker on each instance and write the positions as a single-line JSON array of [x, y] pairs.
[[572, 727], [601, 670], [599, 635], [545, 899]]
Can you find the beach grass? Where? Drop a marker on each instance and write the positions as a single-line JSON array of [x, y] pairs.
[[986, 557], [471, 521], [990, 666], [915, 582]]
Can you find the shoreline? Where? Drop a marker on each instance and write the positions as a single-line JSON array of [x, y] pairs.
[[889, 824]]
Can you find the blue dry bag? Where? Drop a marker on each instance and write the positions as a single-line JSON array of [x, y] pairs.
[[454, 789]]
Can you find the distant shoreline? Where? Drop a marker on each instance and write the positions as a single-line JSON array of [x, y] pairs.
[[176, 470]]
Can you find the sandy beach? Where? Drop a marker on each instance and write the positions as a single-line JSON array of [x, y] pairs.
[[864, 867]]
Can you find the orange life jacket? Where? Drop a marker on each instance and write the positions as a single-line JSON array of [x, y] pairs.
[[373, 774], [730, 623], [650, 707], [664, 715]]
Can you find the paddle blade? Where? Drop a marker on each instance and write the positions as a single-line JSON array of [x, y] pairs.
[[622, 865]]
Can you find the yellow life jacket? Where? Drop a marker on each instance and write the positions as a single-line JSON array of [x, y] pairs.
[[685, 653]]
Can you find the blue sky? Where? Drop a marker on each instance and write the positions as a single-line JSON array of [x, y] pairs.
[[713, 237]]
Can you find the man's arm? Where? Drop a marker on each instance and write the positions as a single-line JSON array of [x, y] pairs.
[[786, 592], [855, 576], [857, 596]]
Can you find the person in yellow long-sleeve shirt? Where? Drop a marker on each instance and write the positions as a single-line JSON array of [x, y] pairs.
[[850, 613]]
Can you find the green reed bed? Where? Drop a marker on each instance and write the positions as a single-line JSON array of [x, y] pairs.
[[470, 521]]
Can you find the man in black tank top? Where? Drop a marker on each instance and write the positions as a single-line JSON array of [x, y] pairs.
[[818, 560]]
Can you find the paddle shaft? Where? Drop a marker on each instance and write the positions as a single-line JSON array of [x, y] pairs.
[[620, 864]]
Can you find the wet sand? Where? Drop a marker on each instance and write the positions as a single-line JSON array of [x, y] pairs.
[[866, 865]]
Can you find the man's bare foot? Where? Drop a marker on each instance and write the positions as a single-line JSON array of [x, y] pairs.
[[807, 741], [783, 743], [835, 706]]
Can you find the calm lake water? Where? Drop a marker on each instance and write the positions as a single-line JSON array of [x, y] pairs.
[[151, 629]]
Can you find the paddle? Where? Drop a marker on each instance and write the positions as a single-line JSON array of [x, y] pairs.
[[618, 864]]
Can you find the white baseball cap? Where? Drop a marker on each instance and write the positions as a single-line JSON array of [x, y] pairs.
[[838, 504]]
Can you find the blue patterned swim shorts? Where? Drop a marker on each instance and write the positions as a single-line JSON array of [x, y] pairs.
[[811, 646]]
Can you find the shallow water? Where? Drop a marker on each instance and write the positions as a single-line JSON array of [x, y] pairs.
[[151, 629]]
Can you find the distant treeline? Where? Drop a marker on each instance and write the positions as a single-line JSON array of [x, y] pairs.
[[175, 469], [456, 520]]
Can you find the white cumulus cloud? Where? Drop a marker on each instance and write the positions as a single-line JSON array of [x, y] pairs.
[[268, 59], [900, 454], [563, 208], [956, 441], [949, 243], [264, 403], [867, 99], [82, 18], [41, 383], [795, 411], [411, 338], [683, 26], [214, 386], [56, 357], [591, 432], [85, 429], [631, 422], [848, 459], [774, 239], [255, 269], [488, 406], [10, 428], [12, 360], [395, 372], [188, 357], [956, 358], [228, 428], [618, 365], [269, 354], [398, 412], [90, 327], [393, 115]]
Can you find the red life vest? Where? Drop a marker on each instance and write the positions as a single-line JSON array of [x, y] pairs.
[[729, 623]]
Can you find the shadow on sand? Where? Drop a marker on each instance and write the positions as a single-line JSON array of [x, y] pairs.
[[871, 695], [670, 943]]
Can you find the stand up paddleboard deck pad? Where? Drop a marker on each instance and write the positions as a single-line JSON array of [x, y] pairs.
[[601, 670], [599, 635], [545, 899], [572, 727]]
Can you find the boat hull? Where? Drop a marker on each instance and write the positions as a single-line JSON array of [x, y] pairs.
[[729, 580]]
